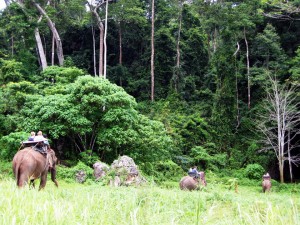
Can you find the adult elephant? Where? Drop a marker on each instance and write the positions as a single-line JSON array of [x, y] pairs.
[[192, 183], [29, 165]]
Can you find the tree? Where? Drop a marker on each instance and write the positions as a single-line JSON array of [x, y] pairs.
[[278, 122], [127, 14], [152, 50], [51, 25], [95, 6], [79, 118]]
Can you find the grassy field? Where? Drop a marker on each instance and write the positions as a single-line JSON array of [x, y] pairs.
[[94, 204]]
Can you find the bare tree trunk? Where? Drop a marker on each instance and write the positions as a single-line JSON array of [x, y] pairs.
[[42, 55], [281, 171], [215, 40], [120, 45], [101, 29], [105, 36], [40, 48], [177, 71], [52, 50], [94, 51], [41, 52], [101, 52], [289, 155], [59, 49], [152, 52], [100, 25], [236, 89], [179, 33], [120, 51], [248, 69]]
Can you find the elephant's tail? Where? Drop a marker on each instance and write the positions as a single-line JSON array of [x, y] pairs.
[[17, 174]]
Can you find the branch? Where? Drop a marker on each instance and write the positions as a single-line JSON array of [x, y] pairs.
[[238, 48]]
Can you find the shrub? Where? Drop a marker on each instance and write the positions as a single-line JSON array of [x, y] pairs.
[[163, 171], [254, 171], [10, 144], [68, 174], [5, 169], [88, 157]]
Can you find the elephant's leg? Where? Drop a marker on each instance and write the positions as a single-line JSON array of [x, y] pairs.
[[53, 176], [43, 180], [22, 180]]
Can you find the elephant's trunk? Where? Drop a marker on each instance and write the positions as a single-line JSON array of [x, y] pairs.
[[53, 176]]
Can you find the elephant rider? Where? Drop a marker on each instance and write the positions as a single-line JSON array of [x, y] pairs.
[[266, 176], [42, 144], [32, 135], [193, 172]]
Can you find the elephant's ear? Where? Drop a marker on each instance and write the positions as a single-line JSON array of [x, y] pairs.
[[51, 158]]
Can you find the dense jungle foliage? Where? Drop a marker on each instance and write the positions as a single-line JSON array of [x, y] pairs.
[[215, 62]]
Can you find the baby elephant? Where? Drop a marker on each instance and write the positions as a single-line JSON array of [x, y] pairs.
[[266, 183]]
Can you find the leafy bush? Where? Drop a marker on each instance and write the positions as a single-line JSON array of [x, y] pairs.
[[254, 171], [163, 171], [10, 144], [213, 162], [88, 157], [5, 169], [68, 174]]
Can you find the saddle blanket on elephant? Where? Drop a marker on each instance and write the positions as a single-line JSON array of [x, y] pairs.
[[193, 174], [36, 145]]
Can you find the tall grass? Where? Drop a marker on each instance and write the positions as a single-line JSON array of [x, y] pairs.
[[94, 204]]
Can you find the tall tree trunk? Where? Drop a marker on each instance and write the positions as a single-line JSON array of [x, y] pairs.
[[59, 49], [248, 69], [101, 38], [236, 89], [152, 52], [120, 45], [280, 134], [94, 51], [52, 50], [179, 32], [289, 155], [40, 48], [177, 71], [215, 40], [105, 36], [281, 171]]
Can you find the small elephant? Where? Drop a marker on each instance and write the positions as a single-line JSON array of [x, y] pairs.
[[266, 183]]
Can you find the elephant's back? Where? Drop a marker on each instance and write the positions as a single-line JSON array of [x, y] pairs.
[[29, 152], [28, 157], [266, 183], [187, 183]]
